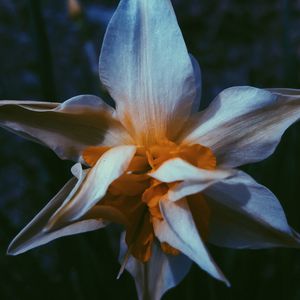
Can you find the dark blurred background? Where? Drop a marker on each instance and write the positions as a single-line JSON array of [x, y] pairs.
[[48, 53]]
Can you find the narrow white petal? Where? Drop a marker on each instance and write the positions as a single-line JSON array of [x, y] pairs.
[[244, 124], [194, 180], [112, 164], [178, 169], [66, 128], [179, 230], [145, 66], [245, 214], [159, 274], [34, 234]]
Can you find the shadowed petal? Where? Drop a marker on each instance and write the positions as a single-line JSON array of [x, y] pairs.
[[34, 234], [145, 66], [159, 274], [66, 128], [194, 179], [244, 124], [179, 230], [112, 164], [245, 214]]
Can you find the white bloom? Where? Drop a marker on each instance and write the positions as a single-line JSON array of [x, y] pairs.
[[156, 166]]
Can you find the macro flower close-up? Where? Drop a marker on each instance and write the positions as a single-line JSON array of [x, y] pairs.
[[153, 163]]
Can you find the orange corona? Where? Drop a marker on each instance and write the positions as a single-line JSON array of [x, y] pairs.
[[136, 195]]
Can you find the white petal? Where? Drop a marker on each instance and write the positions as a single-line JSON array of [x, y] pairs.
[[244, 124], [34, 234], [145, 66], [179, 230], [245, 214], [194, 179], [159, 274], [112, 164], [66, 128]]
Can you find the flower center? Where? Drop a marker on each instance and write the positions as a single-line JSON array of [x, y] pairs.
[[136, 195]]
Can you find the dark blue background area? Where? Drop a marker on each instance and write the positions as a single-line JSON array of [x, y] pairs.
[[46, 55]]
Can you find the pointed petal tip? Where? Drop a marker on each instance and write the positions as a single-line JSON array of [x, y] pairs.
[[12, 250], [17, 247], [219, 275], [227, 283], [296, 239]]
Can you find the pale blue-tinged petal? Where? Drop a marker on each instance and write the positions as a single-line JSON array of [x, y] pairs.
[[158, 275], [245, 214], [35, 233], [244, 124], [146, 68], [66, 128], [192, 179], [179, 230], [111, 165]]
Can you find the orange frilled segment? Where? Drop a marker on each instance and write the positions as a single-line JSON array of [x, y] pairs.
[[140, 234], [135, 181], [197, 155], [92, 154], [136, 196], [129, 185], [125, 195], [138, 164], [153, 195], [139, 229], [169, 249], [145, 159]]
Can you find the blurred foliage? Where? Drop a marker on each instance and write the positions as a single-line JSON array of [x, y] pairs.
[[47, 55]]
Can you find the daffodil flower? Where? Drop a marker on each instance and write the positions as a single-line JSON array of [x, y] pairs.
[[156, 165]]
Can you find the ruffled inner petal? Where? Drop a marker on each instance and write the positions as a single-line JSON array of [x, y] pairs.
[[136, 196]]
